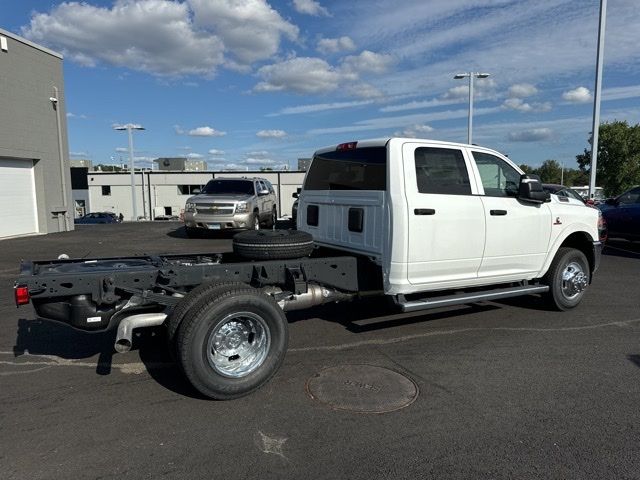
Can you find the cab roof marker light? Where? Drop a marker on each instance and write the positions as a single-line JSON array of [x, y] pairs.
[[346, 146]]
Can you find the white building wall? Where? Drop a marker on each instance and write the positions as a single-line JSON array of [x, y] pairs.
[[161, 190]]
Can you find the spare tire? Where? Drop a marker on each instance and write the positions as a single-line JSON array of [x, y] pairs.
[[273, 244]]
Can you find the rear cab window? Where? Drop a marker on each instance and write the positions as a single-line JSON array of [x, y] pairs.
[[357, 169], [441, 171]]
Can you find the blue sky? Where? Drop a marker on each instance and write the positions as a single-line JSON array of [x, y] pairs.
[[251, 83]]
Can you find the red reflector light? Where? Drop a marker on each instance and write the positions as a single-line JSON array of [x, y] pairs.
[[347, 146], [22, 295]]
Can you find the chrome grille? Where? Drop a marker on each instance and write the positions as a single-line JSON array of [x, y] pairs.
[[216, 209]]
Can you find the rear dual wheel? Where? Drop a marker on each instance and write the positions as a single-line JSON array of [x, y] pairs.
[[231, 340]]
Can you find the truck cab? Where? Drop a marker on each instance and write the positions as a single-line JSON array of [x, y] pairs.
[[438, 215]]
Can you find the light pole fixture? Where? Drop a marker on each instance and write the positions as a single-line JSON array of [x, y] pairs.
[[129, 127], [471, 76]]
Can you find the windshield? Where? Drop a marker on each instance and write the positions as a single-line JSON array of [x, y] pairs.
[[359, 169], [225, 187]]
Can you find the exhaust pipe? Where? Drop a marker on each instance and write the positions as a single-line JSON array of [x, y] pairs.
[[315, 295], [128, 324]]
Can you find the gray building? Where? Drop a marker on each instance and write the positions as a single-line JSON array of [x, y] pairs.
[[180, 164], [35, 183]]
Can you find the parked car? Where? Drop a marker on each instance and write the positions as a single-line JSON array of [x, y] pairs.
[[232, 203], [622, 214], [294, 209], [563, 191], [97, 217]]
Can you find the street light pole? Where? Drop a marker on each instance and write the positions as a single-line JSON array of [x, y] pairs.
[[129, 127], [596, 100], [471, 76]]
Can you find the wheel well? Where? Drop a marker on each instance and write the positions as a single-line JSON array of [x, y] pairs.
[[582, 241]]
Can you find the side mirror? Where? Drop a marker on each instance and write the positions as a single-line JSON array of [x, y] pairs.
[[530, 190], [295, 194], [262, 193], [196, 191], [612, 201]]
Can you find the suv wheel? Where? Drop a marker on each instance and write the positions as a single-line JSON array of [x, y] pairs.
[[256, 221], [274, 218]]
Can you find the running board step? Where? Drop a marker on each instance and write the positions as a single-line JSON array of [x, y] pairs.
[[495, 294]]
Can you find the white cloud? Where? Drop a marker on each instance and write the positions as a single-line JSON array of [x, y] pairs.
[[216, 152], [259, 161], [621, 93], [311, 75], [303, 75], [522, 106], [206, 132], [140, 35], [250, 29], [335, 45], [194, 156], [417, 105], [531, 135], [178, 129], [577, 95], [415, 131], [368, 62], [258, 154], [78, 154], [310, 7], [522, 90], [321, 107], [122, 149], [271, 134], [74, 115]]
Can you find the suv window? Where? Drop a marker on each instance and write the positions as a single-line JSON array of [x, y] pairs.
[[442, 171], [223, 187], [358, 169], [261, 186], [499, 179], [269, 187], [632, 196]]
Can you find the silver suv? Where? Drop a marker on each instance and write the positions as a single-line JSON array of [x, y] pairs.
[[232, 203]]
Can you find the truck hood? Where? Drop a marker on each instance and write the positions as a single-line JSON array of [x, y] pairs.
[[222, 198]]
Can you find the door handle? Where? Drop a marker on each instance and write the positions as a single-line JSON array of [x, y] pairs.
[[498, 212], [424, 211]]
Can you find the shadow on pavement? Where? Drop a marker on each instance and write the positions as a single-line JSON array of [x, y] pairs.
[[622, 248], [43, 337], [379, 314], [635, 359]]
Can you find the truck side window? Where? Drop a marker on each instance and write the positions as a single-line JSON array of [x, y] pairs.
[[499, 179], [632, 196], [442, 171]]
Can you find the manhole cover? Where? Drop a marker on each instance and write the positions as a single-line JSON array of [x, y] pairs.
[[362, 388]]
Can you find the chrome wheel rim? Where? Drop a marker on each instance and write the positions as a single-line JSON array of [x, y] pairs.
[[238, 344], [574, 280]]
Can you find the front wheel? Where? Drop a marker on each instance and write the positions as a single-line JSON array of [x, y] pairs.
[[568, 278], [233, 342]]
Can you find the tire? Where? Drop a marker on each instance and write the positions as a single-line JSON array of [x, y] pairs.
[[567, 277], [274, 218], [190, 301], [256, 220], [232, 343], [273, 244]]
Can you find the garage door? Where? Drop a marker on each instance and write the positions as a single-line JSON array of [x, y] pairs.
[[17, 198]]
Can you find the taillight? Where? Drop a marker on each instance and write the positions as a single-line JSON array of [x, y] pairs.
[[347, 146], [602, 227], [22, 295]]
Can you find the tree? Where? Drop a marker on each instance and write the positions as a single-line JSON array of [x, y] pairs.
[[527, 169], [618, 157], [550, 171]]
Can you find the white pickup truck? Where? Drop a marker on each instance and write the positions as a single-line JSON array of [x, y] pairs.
[[427, 223]]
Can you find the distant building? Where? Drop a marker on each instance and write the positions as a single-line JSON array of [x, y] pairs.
[[180, 164], [35, 181], [81, 163], [304, 164]]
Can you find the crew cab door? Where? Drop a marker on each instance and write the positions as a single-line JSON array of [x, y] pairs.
[[446, 223], [518, 232]]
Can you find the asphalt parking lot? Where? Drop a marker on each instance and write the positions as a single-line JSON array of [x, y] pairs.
[[506, 390]]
